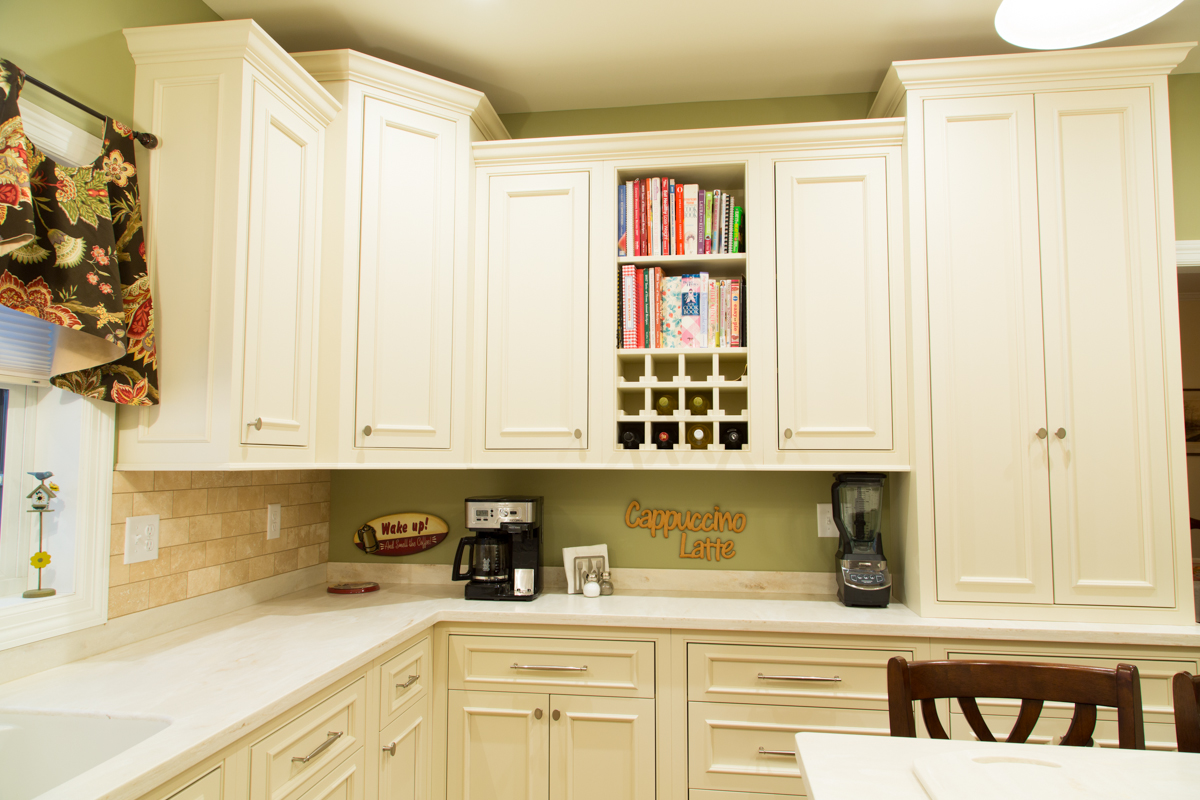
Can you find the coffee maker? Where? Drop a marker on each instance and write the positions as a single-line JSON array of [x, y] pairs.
[[862, 575], [506, 554]]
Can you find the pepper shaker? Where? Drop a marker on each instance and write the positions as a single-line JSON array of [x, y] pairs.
[[606, 587]]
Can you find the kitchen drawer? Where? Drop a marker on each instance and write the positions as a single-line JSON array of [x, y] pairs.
[[724, 741], [207, 788], [597, 667], [707, 794], [724, 673], [403, 680], [1051, 728], [346, 781], [335, 724]]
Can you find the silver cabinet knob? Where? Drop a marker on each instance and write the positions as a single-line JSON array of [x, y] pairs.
[[787, 433], [578, 433], [537, 713], [1061, 433], [366, 430], [390, 748], [257, 424], [554, 715], [1041, 433]]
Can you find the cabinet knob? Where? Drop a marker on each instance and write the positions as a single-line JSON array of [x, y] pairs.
[[787, 433], [555, 714], [1061, 433], [537, 713], [366, 430], [1041, 433], [257, 424], [578, 433]]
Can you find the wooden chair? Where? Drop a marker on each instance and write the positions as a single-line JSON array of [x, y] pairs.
[[1185, 693], [1032, 684]]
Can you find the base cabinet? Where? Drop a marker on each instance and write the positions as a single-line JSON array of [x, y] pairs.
[[404, 755], [207, 788]]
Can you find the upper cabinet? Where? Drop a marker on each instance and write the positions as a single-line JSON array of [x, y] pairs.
[[395, 261], [1051, 471], [233, 206]]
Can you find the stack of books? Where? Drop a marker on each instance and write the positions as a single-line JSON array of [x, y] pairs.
[[681, 311], [657, 217]]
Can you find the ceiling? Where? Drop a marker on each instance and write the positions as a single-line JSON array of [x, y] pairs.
[[545, 55]]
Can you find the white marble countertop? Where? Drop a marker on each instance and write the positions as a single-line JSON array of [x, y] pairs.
[[215, 681]]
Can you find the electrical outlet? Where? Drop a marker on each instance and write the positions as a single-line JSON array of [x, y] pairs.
[[825, 526], [274, 511], [141, 538]]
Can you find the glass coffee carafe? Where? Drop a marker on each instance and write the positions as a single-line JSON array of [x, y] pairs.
[[488, 562]]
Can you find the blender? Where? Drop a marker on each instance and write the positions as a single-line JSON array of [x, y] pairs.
[[862, 576]]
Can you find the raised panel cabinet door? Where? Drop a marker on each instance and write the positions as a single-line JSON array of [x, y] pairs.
[[277, 386], [405, 754], [537, 312], [1105, 372], [497, 746], [210, 787], [835, 372], [406, 279], [601, 748], [987, 387]]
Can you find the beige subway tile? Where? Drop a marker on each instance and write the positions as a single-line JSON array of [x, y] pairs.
[[262, 477], [170, 481], [321, 476], [250, 497], [118, 571], [239, 477], [305, 476], [154, 568], [201, 529], [219, 551], [168, 589], [132, 481], [190, 502], [122, 507], [285, 561], [188, 557], [258, 520], [322, 529], [307, 556], [323, 553], [207, 480], [289, 539], [153, 503], [248, 546], [276, 493], [235, 574], [235, 523], [203, 581], [320, 492], [322, 512], [299, 494], [289, 516], [173, 532], [223, 499], [262, 567], [116, 539], [304, 536], [127, 599]]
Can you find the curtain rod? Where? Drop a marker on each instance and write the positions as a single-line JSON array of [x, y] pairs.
[[148, 140]]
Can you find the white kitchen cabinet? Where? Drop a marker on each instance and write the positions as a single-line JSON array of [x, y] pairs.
[[602, 747], [395, 254], [405, 755], [233, 204], [497, 746], [207, 788], [536, 391]]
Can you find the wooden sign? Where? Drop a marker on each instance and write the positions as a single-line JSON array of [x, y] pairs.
[[401, 534], [708, 548]]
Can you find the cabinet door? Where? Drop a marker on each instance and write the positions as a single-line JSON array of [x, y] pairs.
[[406, 279], [405, 754], [601, 747], [537, 312], [346, 781], [987, 386], [1104, 349], [497, 746], [277, 384], [835, 373], [207, 788]]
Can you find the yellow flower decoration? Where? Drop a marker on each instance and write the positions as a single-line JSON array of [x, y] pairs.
[[117, 169], [53, 486], [40, 560]]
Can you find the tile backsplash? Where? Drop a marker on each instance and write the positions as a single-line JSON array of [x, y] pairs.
[[213, 532]]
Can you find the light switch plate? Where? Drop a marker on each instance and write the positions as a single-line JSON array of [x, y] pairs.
[[274, 510], [825, 527], [141, 538]]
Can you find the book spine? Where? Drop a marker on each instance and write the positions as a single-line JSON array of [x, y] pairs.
[[620, 309], [703, 310], [735, 313], [671, 311], [628, 293], [708, 226], [640, 307], [664, 216], [723, 313], [657, 300], [646, 307], [700, 222], [735, 241], [718, 197], [689, 329], [743, 328], [643, 226], [671, 220], [629, 218], [621, 221], [689, 219], [637, 218], [678, 231], [728, 224], [714, 300]]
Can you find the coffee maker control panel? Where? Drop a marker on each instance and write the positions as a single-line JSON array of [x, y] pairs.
[[490, 515]]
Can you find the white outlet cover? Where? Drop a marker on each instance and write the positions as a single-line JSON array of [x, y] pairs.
[[274, 511], [825, 527], [141, 538]]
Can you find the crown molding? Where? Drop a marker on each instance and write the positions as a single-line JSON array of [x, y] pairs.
[[233, 39], [795, 136]]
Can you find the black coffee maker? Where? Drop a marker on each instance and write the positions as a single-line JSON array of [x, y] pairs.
[[506, 554]]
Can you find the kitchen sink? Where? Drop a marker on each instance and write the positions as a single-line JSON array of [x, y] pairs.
[[38, 751]]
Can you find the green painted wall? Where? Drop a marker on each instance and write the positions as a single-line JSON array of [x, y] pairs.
[[1185, 153], [77, 47], [588, 507]]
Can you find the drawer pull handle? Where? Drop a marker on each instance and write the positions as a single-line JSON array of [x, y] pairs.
[[834, 679], [765, 752], [411, 680], [391, 748], [321, 748], [549, 667]]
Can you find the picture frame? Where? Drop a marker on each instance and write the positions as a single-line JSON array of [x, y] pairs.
[[1191, 420]]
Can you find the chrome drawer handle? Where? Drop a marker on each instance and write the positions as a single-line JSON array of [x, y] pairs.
[[549, 667], [764, 752], [411, 680], [321, 748], [834, 679]]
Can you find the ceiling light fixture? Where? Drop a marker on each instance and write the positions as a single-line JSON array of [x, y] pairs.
[[1061, 24]]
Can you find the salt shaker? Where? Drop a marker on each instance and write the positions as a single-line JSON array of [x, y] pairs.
[[591, 587], [606, 587]]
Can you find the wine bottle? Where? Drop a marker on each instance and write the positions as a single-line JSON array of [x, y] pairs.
[[630, 439], [699, 437], [698, 405], [665, 438], [732, 437], [665, 404]]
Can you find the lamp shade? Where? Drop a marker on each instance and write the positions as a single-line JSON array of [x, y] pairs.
[[1060, 24]]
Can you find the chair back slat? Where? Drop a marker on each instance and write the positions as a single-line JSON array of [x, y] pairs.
[[1185, 694], [1031, 710], [1083, 724], [970, 710], [932, 723]]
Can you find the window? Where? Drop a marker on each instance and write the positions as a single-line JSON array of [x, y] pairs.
[[16, 429]]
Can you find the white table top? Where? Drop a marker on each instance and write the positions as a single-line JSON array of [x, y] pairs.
[[850, 767]]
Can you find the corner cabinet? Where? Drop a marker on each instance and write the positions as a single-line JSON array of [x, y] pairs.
[[1054, 473], [233, 207]]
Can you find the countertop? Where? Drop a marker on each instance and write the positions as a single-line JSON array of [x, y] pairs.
[[216, 681]]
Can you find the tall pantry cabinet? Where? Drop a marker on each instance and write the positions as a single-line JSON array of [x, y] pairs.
[[396, 254], [1050, 467], [233, 206]]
